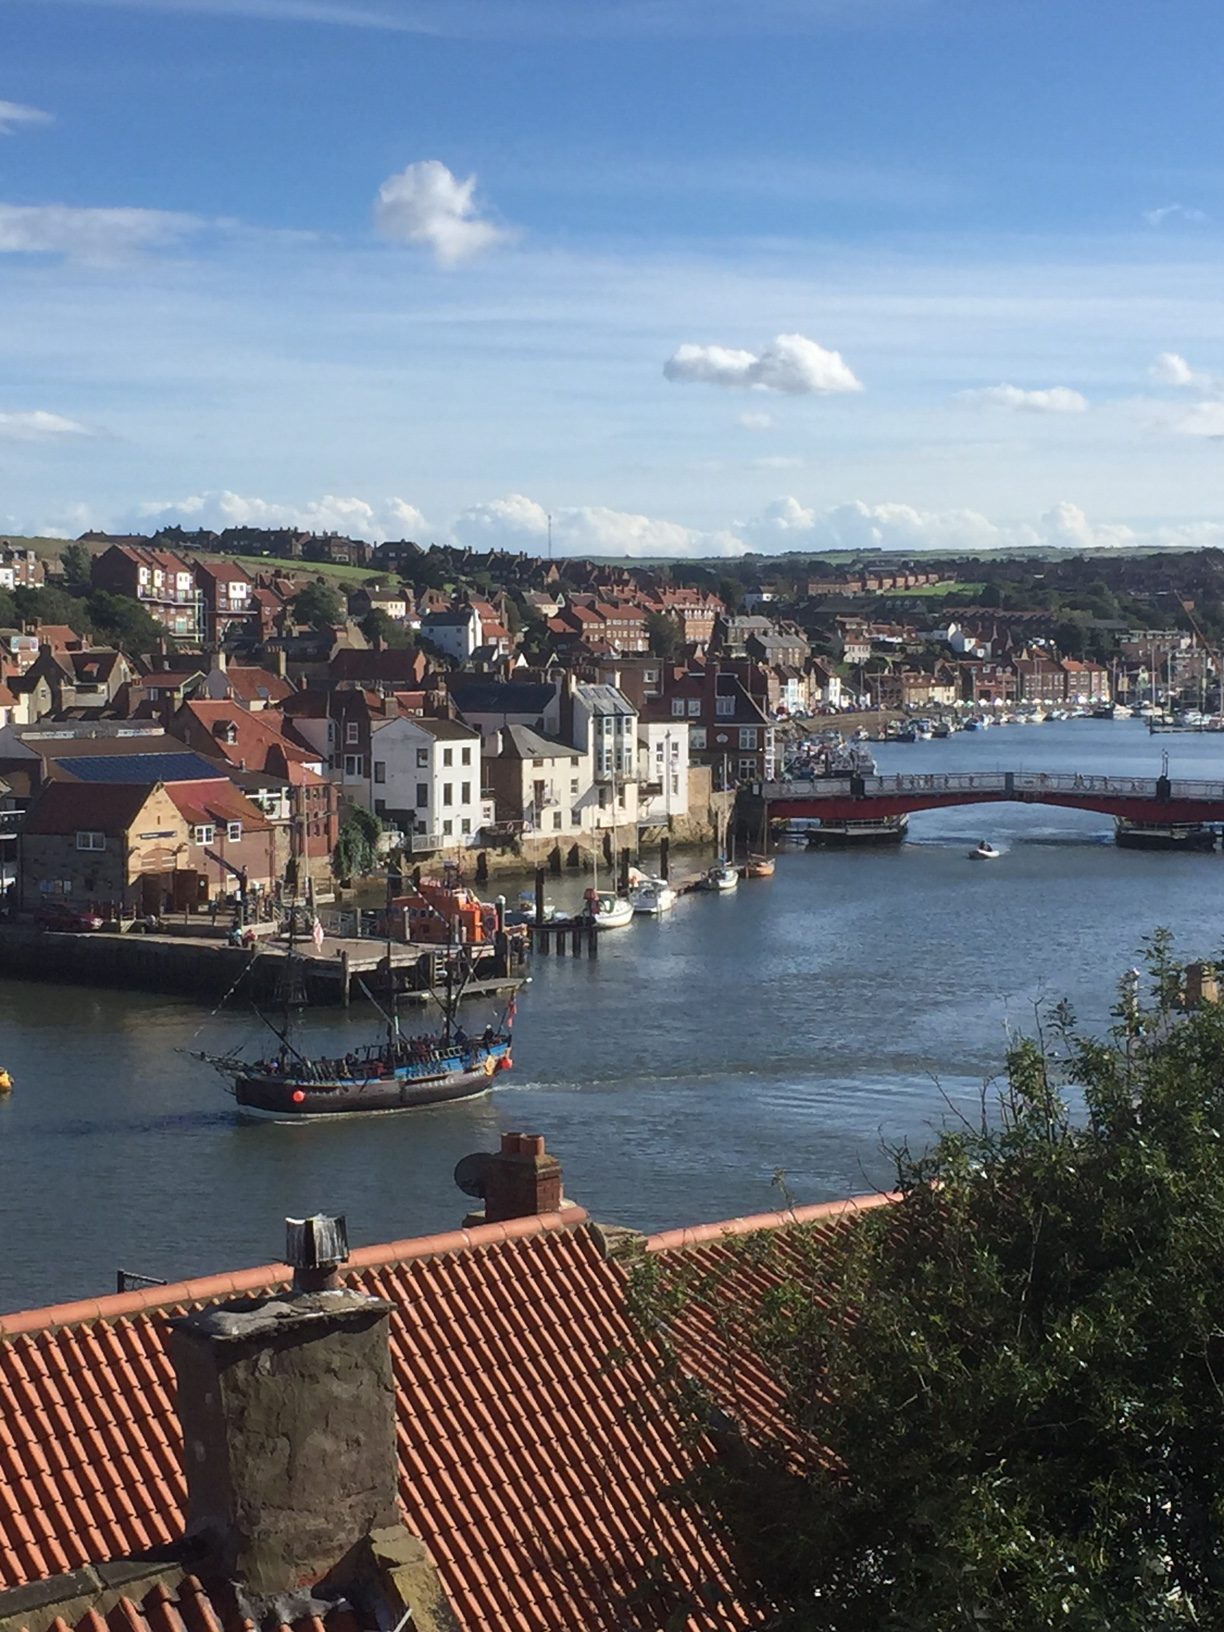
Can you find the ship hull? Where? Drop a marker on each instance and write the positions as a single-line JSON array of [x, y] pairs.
[[264, 1097]]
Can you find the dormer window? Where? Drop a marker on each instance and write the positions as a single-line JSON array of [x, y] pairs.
[[203, 834]]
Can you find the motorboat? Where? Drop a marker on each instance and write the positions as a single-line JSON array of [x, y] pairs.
[[721, 877], [652, 896], [985, 851], [607, 910]]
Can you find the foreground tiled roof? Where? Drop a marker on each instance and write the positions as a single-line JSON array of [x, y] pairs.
[[187, 1605], [535, 1457]]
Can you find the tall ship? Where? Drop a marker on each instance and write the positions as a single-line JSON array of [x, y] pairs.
[[396, 1071]]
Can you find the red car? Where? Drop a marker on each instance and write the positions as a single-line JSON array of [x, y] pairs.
[[59, 915]]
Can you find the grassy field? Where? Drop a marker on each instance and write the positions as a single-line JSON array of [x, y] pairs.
[[934, 592]]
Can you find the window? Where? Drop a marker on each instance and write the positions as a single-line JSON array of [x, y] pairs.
[[91, 841], [649, 676], [694, 707], [574, 784], [747, 736], [576, 817], [203, 834], [557, 820], [697, 737], [465, 826], [352, 731], [465, 756], [678, 707], [354, 765], [422, 798], [465, 793], [448, 757], [724, 707], [233, 830], [380, 770], [380, 806], [448, 793], [448, 827], [536, 764], [422, 758]]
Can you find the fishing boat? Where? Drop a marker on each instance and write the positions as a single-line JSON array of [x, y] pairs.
[[985, 851], [721, 877], [759, 867], [859, 830], [652, 896], [396, 1072]]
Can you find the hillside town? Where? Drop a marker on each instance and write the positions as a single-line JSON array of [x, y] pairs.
[[183, 717]]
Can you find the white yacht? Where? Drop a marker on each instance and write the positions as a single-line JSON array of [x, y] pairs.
[[722, 876], [607, 909]]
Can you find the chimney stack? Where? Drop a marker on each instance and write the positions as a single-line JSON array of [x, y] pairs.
[[520, 1180], [288, 1412]]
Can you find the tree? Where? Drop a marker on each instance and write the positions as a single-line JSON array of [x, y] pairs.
[[76, 563], [123, 622], [356, 852], [378, 626], [666, 637], [731, 593], [1002, 1395], [319, 605]]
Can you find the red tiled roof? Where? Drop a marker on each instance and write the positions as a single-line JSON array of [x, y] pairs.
[[535, 1457], [256, 736], [258, 685], [189, 1606], [203, 803]]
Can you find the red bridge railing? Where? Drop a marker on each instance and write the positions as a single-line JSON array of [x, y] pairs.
[[999, 783]]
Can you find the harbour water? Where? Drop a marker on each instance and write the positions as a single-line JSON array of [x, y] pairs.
[[798, 1024]]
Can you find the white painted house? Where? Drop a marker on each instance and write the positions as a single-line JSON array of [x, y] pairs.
[[605, 725], [663, 764], [425, 778], [456, 633]]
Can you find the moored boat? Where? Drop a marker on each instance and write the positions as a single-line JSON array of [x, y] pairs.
[[721, 877], [759, 867], [652, 896], [607, 910], [861, 830]]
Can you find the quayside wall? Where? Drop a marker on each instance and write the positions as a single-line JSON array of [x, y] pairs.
[[132, 962]]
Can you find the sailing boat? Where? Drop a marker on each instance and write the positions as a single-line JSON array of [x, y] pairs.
[[395, 1073], [607, 909]]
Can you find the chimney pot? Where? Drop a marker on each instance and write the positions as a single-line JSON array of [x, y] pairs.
[[315, 1247], [520, 1181]]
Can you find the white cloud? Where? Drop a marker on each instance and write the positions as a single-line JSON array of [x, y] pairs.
[[1055, 399], [13, 114], [1169, 368], [37, 425], [786, 524], [1204, 419], [792, 364], [426, 204], [756, 421], [516, 522], [390, 518], [89, 234], [1175, 212]]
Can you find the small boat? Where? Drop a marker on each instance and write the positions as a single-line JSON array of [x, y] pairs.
[[652, 896], [6, 1081], [759, 867], [721, 877], [607, 910], [985, 851]]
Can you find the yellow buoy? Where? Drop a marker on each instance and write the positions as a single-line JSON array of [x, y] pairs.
[[6, 1082]]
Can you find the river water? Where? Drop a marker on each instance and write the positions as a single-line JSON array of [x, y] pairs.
[[797, 1025]]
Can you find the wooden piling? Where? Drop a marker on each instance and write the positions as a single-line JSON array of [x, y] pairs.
[[664, 857], [592, 941], [539, 896], [345, 994], [624, 871], [576, 945]]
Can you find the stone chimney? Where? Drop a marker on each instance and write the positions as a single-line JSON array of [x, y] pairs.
[[518, 1181], [288, 1413]]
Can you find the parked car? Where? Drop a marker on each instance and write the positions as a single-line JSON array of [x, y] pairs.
[[59, 915]]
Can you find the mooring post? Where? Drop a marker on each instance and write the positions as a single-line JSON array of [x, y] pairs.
[[539, 901], [592, 941], [624, 871], [576, 945], [344, 978], [664, 857]]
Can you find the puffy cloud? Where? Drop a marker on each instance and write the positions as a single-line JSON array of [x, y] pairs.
[[792, 364], [516, 522], [1205, 418], [426, 204], [14, 114], [90, 234], [37, 425], [1170, 368], [1055, 399], [1175, 212], [786, 524], [390, 518]]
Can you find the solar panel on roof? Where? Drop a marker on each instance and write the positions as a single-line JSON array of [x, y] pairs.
[[183, 767]]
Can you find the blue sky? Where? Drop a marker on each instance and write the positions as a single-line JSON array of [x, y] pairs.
[[692, 276]]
